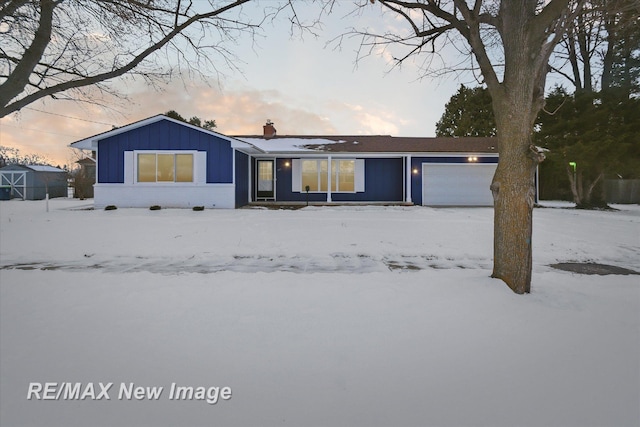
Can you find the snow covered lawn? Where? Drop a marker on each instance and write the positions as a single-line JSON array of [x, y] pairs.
[[354, 316]]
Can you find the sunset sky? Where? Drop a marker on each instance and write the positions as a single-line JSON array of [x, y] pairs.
[[301, 84]]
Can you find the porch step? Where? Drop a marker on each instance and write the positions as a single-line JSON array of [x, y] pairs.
[[298, 205]]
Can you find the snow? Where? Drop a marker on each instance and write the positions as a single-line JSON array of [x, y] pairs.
[[44, 168], [352, 315], [288, 145]]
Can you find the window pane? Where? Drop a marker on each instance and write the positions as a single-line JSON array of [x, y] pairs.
[[184, 167], [347, 173], [334, 175], [165, 168], [146, 168], [265, 170], [310, 175], [323, 174], [265, 175]]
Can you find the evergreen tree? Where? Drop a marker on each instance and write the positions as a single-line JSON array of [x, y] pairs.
[[468, 113], [589, 140], [195, 120]]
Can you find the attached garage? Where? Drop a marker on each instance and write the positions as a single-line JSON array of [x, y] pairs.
[[461, 184]]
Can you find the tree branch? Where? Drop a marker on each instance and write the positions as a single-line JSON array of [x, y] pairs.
[[17, 80], [19, 77]]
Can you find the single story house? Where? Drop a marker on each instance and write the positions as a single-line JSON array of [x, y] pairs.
[[32, 182], [166, 162]]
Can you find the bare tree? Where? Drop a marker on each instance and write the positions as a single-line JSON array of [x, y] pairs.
[[13, 156], [59, 48], [605, 32], [510, 43]]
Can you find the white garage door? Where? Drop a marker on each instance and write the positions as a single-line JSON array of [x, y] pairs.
[[465, 184]]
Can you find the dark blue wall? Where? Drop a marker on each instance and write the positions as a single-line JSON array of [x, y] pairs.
[[383, 183], [242, 179], [416, 179], [164, 135], [283, 186]]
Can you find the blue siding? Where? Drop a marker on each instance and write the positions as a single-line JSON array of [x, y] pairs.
[[383, 183], [242, 179], [416, 163], [164, 135], [284, 182]]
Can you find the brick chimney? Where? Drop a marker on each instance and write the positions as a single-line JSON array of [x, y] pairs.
[[269, 130]]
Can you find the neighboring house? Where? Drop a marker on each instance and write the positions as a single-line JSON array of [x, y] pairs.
[[32, 182], [162, 161]]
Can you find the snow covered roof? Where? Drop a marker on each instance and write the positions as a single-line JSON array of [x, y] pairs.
[[44, 168], [284, 144], [372, 144], [36, 168]]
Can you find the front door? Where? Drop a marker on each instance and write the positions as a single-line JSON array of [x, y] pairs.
[[265, 179]]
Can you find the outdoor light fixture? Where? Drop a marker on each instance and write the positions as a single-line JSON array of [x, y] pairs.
[[415, 171], [574, 165], [472, 159], [286, 164]]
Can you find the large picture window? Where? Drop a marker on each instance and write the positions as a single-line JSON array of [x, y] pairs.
[[165, 167], [314, 173]]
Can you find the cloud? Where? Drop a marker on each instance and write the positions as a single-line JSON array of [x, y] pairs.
[[237, 111], [33, 131], [48, 127]]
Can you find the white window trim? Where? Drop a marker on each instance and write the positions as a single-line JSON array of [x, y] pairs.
[[199, 167]]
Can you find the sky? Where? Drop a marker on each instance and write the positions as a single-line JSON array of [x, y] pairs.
[[305, 85]]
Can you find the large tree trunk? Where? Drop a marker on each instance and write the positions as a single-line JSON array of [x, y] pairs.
[[516, 102], [513, 190]]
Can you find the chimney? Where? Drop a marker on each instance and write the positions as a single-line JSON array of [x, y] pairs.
[[269, 130]]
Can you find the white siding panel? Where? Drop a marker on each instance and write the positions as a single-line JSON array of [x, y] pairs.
[[129, 167], [169, 196], [465, 184], [359, 185], [296, 176], [200, 167]]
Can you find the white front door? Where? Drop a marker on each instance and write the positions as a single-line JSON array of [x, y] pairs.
[[265, 178]]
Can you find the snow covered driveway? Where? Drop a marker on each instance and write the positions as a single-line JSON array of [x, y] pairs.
[[321, 316]]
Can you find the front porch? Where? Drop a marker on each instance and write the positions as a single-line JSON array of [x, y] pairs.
[[298, 205]]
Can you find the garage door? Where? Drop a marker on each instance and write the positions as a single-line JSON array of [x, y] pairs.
[[465, 184]]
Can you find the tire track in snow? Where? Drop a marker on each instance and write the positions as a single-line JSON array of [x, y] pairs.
[[252, 263]]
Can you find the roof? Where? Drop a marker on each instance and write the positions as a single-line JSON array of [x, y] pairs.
[[373, 144], [91, 143], [36, 168], [255, 144]]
